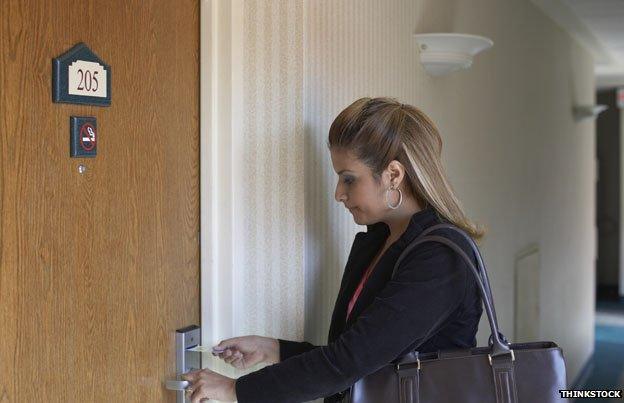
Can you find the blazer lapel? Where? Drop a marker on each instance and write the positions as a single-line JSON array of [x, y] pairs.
[[377, 280], [365, 246], [382, 272]]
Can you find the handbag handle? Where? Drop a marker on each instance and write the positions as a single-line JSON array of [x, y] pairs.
[[481, 267], [498, 346]]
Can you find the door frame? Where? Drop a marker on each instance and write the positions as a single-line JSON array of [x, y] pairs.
[[220, 68]]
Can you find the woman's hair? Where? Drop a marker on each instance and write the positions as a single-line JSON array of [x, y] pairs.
[[379, 130]]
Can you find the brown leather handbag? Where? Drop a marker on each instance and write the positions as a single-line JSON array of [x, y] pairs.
[[499, 373]]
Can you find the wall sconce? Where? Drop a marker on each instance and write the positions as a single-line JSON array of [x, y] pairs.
[[442, 54], [582, 112]]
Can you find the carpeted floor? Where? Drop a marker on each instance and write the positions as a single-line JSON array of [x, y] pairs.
[[605, 369]]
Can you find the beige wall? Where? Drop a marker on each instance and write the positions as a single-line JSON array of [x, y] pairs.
[[252, 171], [513, 152], [270, 151]]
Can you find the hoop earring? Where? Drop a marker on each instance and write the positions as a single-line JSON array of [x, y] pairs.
[[388, 200]]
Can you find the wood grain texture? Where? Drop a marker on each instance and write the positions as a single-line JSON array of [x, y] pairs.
[[98, 270]]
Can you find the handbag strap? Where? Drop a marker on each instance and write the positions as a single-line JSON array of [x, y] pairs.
[[481, 267], [477, 253], [499, 347]]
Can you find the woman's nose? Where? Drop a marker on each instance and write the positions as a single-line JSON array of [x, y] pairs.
[[338, 194]]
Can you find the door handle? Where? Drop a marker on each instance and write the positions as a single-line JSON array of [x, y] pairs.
[[176, 385], [186, 338]]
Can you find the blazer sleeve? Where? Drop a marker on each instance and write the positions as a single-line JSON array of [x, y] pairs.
[[288, 348], [427, 288]]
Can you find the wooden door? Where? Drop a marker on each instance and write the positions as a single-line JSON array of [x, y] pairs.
[[98, 270]]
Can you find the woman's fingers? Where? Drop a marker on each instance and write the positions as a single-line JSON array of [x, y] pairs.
[[191, 376], [197, 394], [229, 356], [233, 357], [239, 363], [227, 342], [225, 354]]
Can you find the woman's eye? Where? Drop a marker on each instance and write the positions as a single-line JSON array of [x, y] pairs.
[[348, 181]]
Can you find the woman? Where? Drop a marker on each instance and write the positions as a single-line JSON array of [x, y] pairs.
[[390, 177]]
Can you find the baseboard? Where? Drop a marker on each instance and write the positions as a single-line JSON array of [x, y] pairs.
[[582, 376]]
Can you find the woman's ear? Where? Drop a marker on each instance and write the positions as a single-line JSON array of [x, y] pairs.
[[387, 178], [396, 172]]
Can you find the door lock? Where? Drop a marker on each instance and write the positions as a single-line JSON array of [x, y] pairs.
[[186, 338]]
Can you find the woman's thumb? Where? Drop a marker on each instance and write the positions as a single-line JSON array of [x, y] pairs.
[[227, 343]]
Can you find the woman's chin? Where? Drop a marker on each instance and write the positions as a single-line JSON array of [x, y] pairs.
[[357, 218]]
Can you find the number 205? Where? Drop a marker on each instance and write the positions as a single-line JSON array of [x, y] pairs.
[[88, 80]]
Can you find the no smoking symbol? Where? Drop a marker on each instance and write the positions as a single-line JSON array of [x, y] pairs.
[[87, 137], [83, 136]]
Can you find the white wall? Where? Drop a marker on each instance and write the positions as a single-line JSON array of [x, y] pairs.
[[516, 158], [252, 171]]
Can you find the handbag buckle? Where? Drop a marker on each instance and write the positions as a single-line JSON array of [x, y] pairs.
[[398, 366], [513, 357]]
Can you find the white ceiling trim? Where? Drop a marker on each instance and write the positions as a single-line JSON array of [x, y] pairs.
[[609, 73], [570, 22]]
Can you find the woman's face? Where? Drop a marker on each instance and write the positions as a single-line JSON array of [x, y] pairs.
[[357, 189]]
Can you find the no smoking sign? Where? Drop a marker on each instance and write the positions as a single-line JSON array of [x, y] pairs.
[[83, 136]]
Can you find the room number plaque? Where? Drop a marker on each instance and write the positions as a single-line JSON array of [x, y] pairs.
[[79, 76]]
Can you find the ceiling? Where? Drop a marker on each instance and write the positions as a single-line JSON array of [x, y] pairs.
[[599, 26]]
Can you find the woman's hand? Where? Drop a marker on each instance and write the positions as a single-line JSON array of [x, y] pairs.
[[207, 384], [246, 351]]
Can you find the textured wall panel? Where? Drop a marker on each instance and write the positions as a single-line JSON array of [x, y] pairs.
[[352, 49], [270, 289]]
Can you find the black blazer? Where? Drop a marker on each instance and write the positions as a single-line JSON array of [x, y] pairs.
[[431, 304]]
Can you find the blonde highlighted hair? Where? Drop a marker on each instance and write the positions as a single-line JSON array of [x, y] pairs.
[[379, 130]]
